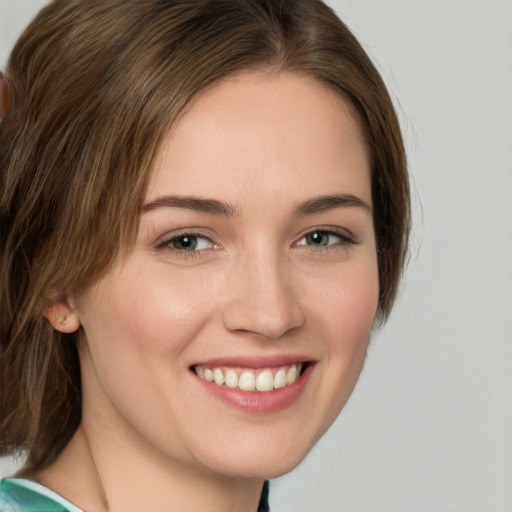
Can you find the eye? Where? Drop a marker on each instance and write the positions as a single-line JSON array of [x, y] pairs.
[[190, 243], [319, 238], [187, 242], [324, 238]]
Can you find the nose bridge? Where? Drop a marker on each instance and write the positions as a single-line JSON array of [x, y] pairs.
[[262, 297]]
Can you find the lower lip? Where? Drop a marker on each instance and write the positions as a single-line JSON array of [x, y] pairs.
[[259, 402]]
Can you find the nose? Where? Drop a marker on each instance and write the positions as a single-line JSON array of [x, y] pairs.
[[261, 298]]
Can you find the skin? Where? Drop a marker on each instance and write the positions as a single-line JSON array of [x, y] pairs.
[[263, 144]]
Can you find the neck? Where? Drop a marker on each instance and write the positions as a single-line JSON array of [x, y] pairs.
[[116, 476]]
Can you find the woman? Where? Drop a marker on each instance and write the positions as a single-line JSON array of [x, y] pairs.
[[204, 212]]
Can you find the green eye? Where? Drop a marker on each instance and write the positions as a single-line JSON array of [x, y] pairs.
[[325, 238], [318, 238], [185, 243]]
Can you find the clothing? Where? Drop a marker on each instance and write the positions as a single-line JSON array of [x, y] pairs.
[[20, 495]]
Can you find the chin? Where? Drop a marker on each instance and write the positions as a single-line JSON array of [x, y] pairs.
[[264, 469], [273, 458]]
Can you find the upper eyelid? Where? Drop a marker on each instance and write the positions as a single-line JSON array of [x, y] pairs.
[[339, 231], [165, 243], [171, 235]]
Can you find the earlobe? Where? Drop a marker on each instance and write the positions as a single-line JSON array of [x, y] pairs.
[[63, 316]]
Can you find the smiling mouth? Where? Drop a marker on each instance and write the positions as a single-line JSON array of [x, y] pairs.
[[247, 379]]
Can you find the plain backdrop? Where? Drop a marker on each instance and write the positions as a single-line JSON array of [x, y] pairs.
[[429, 426]]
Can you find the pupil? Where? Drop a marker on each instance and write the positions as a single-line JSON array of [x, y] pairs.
[[187, 243]]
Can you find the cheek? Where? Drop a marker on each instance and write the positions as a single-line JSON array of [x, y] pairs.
[[138, 328], [341, 317], [172, 308], [357, 308], [356, 312], [346, 308], [346, 316]]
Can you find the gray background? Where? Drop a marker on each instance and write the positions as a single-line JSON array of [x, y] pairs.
[[429, 427]]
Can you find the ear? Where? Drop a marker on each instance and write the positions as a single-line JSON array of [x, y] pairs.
[[63, 315]]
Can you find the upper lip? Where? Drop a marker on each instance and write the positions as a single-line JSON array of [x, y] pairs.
[[256, 362]]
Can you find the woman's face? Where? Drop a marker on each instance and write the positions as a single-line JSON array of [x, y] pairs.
[[255, 259]]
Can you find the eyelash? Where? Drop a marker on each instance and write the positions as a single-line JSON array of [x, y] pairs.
[[344, 239], [167, 243]]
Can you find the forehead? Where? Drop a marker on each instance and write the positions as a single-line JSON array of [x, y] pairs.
[[258, 133]]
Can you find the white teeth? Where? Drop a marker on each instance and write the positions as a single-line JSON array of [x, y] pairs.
[[280, 379], [200, 371], [265, 381], [218, 376], [248, 381], [231, 379], [291, 376]]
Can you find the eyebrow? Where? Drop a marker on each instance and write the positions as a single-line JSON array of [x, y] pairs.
[[320, 204], [199, 204]]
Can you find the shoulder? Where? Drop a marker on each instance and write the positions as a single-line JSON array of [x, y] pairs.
[[20, 495]]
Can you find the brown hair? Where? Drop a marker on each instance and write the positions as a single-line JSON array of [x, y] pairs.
[[98, 85], [6, 97]]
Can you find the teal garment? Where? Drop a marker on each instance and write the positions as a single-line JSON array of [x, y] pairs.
[[264, 506], [18, 495]]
